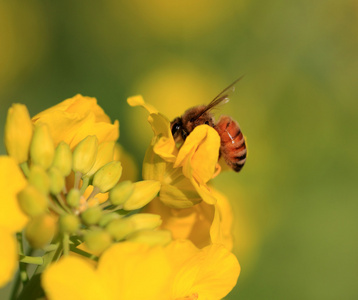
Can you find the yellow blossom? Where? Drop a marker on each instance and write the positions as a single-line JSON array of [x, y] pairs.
[[203, 224], [8, 256], [209, 273], [137, 271], [12, 181], [12, 218], [183, 172], [126, 271], [75, 118]]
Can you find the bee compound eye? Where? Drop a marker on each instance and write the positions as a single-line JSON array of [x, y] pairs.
[[176, 127]]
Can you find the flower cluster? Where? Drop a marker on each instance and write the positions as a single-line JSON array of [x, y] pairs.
[[101, 234]]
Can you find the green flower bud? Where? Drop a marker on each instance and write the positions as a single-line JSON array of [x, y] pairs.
[[107, 218], [18, 132], [91, 215], [107, 176], [98, 240], [39, 179], [144, 192], [63, 159], [69, 223], [84, 155], [120, 228], [42, 148], [145, 221], [150, 237], [121, 192], [32, 201], [40, 230], [73, 198], [57, 181]]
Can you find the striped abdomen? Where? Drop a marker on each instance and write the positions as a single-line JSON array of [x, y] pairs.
[[233, 146]]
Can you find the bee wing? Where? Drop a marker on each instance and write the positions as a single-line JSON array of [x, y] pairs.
[[223, 97]]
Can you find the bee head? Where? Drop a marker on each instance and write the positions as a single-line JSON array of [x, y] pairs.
[[176, 127]]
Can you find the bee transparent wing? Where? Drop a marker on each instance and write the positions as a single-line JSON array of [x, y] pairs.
[[223, 97]]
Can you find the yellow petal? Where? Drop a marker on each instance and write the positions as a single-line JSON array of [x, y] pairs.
[[192, 223], [181, 195], [134, 271], [144, 192], [199, 154], [18, 132], [211, 274], [72, 278], [104, 155], [8, 256], [221, 228], [12, 181], [75, 118], [154, 167], [138, 101]]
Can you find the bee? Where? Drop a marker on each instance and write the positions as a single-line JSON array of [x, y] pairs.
[[233, 145]]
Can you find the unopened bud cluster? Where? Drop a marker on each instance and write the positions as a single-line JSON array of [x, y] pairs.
[[61, 195]]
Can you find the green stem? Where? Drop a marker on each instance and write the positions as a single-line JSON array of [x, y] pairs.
[[55, 207], [31, 260], [23, 272], [78, 176], [63, 204], [16, 287], [83, 253], [66, 244], [94, 193], [85, 182], [33, 289]]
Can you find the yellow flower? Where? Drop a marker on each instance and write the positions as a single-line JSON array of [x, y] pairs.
[[137, 271], [12, 181], [202, 224], [209, 273], [74, 119], [125, 271], [12, 219], [183, 172]]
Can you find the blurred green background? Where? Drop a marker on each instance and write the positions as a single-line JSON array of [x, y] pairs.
[[295, 201]]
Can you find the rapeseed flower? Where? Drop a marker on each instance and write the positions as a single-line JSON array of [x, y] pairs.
[[189, 206], [68, 192]]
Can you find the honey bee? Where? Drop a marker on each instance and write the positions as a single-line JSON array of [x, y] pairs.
[[233, 145]]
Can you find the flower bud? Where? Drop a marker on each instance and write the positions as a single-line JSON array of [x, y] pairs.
[[91, 215], [121, 192], [84, 155], [120, 228], [107, 218], [42, 148], [144, 192], [107, 176], [63, 159], [39, 179], [150, 237], [69, 223], [57, 182], [73, 198], [32, 201], [40, 230], [18, 132], [145, 221], [98, 240]]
